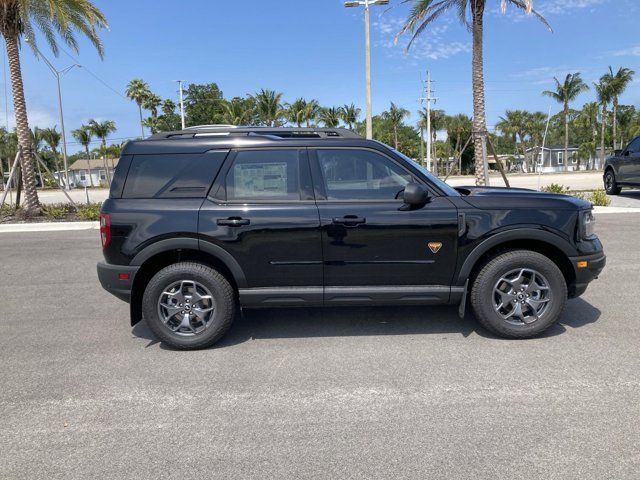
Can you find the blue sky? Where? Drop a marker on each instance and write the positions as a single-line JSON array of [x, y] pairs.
[[315, 49]]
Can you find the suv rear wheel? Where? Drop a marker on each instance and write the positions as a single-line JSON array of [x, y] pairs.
[[610, 185], [519, 294], [188, 305]]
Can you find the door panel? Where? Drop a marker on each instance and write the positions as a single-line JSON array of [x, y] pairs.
[[629, 170], [265, 219], [368, 238], [391, 246]]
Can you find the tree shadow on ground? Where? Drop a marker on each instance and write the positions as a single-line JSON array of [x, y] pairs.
[[276, 323]]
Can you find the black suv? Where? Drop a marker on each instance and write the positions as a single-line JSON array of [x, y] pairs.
[[623, 168], [201, 221]]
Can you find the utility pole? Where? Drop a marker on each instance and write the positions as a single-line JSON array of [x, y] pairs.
[[181, 103], [57, 74], [428, 98], [367, 47]]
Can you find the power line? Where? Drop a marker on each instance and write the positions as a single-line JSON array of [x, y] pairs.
[[84, 67]]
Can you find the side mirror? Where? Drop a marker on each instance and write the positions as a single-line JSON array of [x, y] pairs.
[[415, 195], [617, 153]]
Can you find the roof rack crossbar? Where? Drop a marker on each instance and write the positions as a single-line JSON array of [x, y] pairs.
[[272, 132]]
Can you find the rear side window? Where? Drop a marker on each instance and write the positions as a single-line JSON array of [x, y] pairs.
[[172, 175], [264, 175]]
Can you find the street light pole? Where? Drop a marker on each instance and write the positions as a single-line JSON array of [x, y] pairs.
[[57, 74], [181, 104], [367, 46]]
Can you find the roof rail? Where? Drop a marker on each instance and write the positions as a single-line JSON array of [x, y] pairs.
[[272, 132]]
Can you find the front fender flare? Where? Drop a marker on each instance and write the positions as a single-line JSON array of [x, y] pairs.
[[497, 239]]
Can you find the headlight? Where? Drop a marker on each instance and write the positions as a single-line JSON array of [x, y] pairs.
[[587, 225]]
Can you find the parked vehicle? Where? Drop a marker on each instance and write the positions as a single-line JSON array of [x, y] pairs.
[[623, 168], [202, 221]]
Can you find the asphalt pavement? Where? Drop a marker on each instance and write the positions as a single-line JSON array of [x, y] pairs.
[[312, 393]]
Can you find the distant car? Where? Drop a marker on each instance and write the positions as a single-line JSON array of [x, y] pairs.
[[623, 168], [201, 221]]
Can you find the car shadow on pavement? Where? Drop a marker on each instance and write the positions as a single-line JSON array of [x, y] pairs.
[[276, 323], [630, 194]]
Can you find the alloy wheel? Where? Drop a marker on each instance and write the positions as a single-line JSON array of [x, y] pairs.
[[521, 296], [186, 307]]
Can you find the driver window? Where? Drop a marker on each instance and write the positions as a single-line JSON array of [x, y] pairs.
[[352, 174]]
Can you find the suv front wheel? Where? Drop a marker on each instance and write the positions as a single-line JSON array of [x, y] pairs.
[[188, 305], [610, 185], [519, 294]]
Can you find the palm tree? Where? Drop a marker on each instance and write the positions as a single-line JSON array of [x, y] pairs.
[[395, 115], [459, 127], [22, 18], [52, 138], [349, 115], [102, 131], [535, 126], [330, 117], [311, 112], [618, 83], [268, 107], [151, 103], [565, 93], [138, 91], [424, 12], [296, 111], [237, 111], [168, 107], [83, 136], [605, 95]]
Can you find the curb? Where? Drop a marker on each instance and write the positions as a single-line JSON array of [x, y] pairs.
[[599, 210], [48, 227]]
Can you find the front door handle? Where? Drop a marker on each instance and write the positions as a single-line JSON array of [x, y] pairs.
[[349, 220], [233, 221]]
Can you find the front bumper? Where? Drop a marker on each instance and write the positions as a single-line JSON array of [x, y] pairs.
[[586, 274], [117, 279]]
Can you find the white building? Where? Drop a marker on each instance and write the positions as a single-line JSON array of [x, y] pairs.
[[96, 172]]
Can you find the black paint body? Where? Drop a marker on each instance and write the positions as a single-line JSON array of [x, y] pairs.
[[294, 252], [626, 164]]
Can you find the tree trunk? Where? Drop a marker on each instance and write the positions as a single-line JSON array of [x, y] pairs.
[[31, 202], [86, 148], [566, 136], [479, 114], [602, 131], [615, 120], [395, 136], [141, 120]]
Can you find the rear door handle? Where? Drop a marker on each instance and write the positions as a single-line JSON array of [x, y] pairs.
[[233, 221], [349, 220]]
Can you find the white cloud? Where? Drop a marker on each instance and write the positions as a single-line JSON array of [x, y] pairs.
[[627, 52], [432, 44], [37, 118], [559, 7]]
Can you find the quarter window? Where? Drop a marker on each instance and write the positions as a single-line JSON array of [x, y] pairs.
[[258, 175], [172, 176], [351, 174]]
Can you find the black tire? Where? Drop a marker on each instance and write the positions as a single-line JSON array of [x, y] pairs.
[[221, 292], [483, 293], [610, 185]]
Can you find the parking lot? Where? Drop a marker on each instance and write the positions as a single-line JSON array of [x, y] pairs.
[[312, 393]]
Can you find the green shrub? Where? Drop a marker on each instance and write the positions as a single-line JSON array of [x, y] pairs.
[[554, 188], [89, 211], [599, 198], [57, 210]]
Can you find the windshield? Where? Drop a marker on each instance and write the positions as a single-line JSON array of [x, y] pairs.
[[445, 187]]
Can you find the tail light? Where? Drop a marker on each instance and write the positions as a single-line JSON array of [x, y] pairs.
[[105, 229]]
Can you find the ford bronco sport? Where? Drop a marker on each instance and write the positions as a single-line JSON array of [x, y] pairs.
[[207, 220]]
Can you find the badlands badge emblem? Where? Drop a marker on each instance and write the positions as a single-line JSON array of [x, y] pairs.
[[434, 246]]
